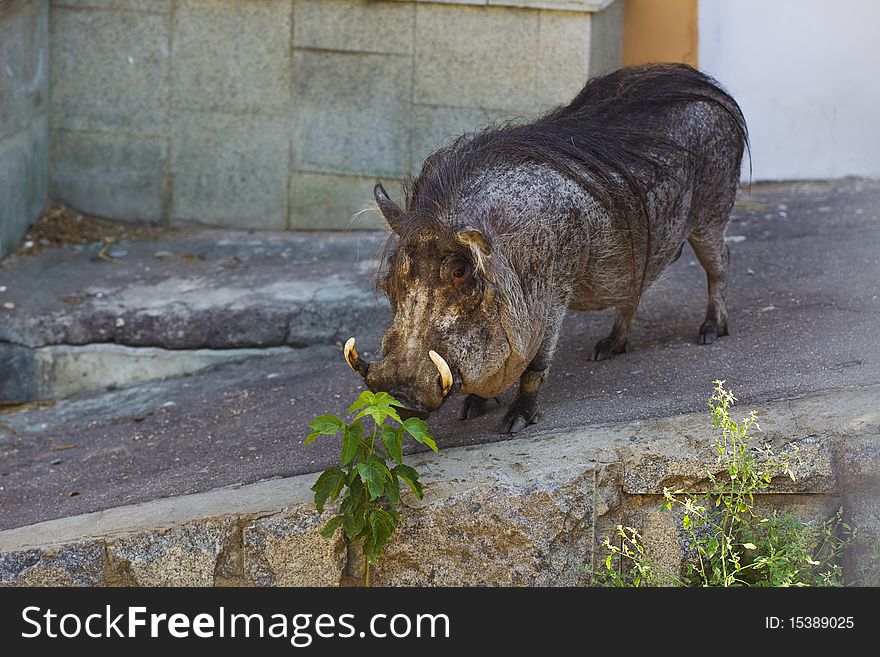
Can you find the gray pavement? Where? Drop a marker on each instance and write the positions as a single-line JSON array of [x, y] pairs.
[[804, 306]]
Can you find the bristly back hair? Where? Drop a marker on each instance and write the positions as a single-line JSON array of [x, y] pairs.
[[611, 140]]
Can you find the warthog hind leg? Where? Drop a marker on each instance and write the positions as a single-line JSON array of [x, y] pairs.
[[714, 256], [616, 343]]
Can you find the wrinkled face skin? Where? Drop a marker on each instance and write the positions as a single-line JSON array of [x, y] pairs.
[[441, 302]]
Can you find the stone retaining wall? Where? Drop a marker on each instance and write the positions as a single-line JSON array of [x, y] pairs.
[[531, 511], [24, 101], [281, 114]]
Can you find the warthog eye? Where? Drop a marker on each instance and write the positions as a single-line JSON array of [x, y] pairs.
[[461, 273]]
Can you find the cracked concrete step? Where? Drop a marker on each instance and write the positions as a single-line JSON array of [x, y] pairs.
[[190, 292], [59, 371], [530, 511], [209, 289]]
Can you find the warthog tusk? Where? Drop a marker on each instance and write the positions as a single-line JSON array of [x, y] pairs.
[[445, 372], [353, 359]]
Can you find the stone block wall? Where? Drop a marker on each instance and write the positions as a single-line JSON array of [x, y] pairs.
[[24, 81], [282, 114]]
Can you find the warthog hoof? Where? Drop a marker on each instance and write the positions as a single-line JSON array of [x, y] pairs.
[[710, 330], [606, 348], [520, 415]]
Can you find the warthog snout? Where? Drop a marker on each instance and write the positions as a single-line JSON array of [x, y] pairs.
[[421, 393]]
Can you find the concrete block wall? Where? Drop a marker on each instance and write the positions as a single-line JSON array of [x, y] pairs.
[[282, 114], [24, 81]]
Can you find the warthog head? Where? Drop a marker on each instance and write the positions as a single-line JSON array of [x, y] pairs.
[[459, 318]]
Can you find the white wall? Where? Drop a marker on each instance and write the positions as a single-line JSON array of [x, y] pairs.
[[807, 75]]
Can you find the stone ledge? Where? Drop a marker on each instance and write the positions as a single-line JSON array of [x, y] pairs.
[[529, 511], [140, 6], [196, 290], [585, 6], [164, 6]]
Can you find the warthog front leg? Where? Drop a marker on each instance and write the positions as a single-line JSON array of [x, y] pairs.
[[524, 409]]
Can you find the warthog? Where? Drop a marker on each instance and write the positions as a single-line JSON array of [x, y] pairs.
[[505, 229]]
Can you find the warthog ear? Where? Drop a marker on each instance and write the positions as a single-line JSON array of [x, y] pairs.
[[389, 209], [476, 242], [473, 239]]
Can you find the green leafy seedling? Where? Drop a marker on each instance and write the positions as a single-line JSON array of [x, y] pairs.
[[371, 471]]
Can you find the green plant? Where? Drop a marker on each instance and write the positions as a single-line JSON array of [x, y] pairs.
[[730, 542], [789, 552], [634, 566], [369, 489]]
